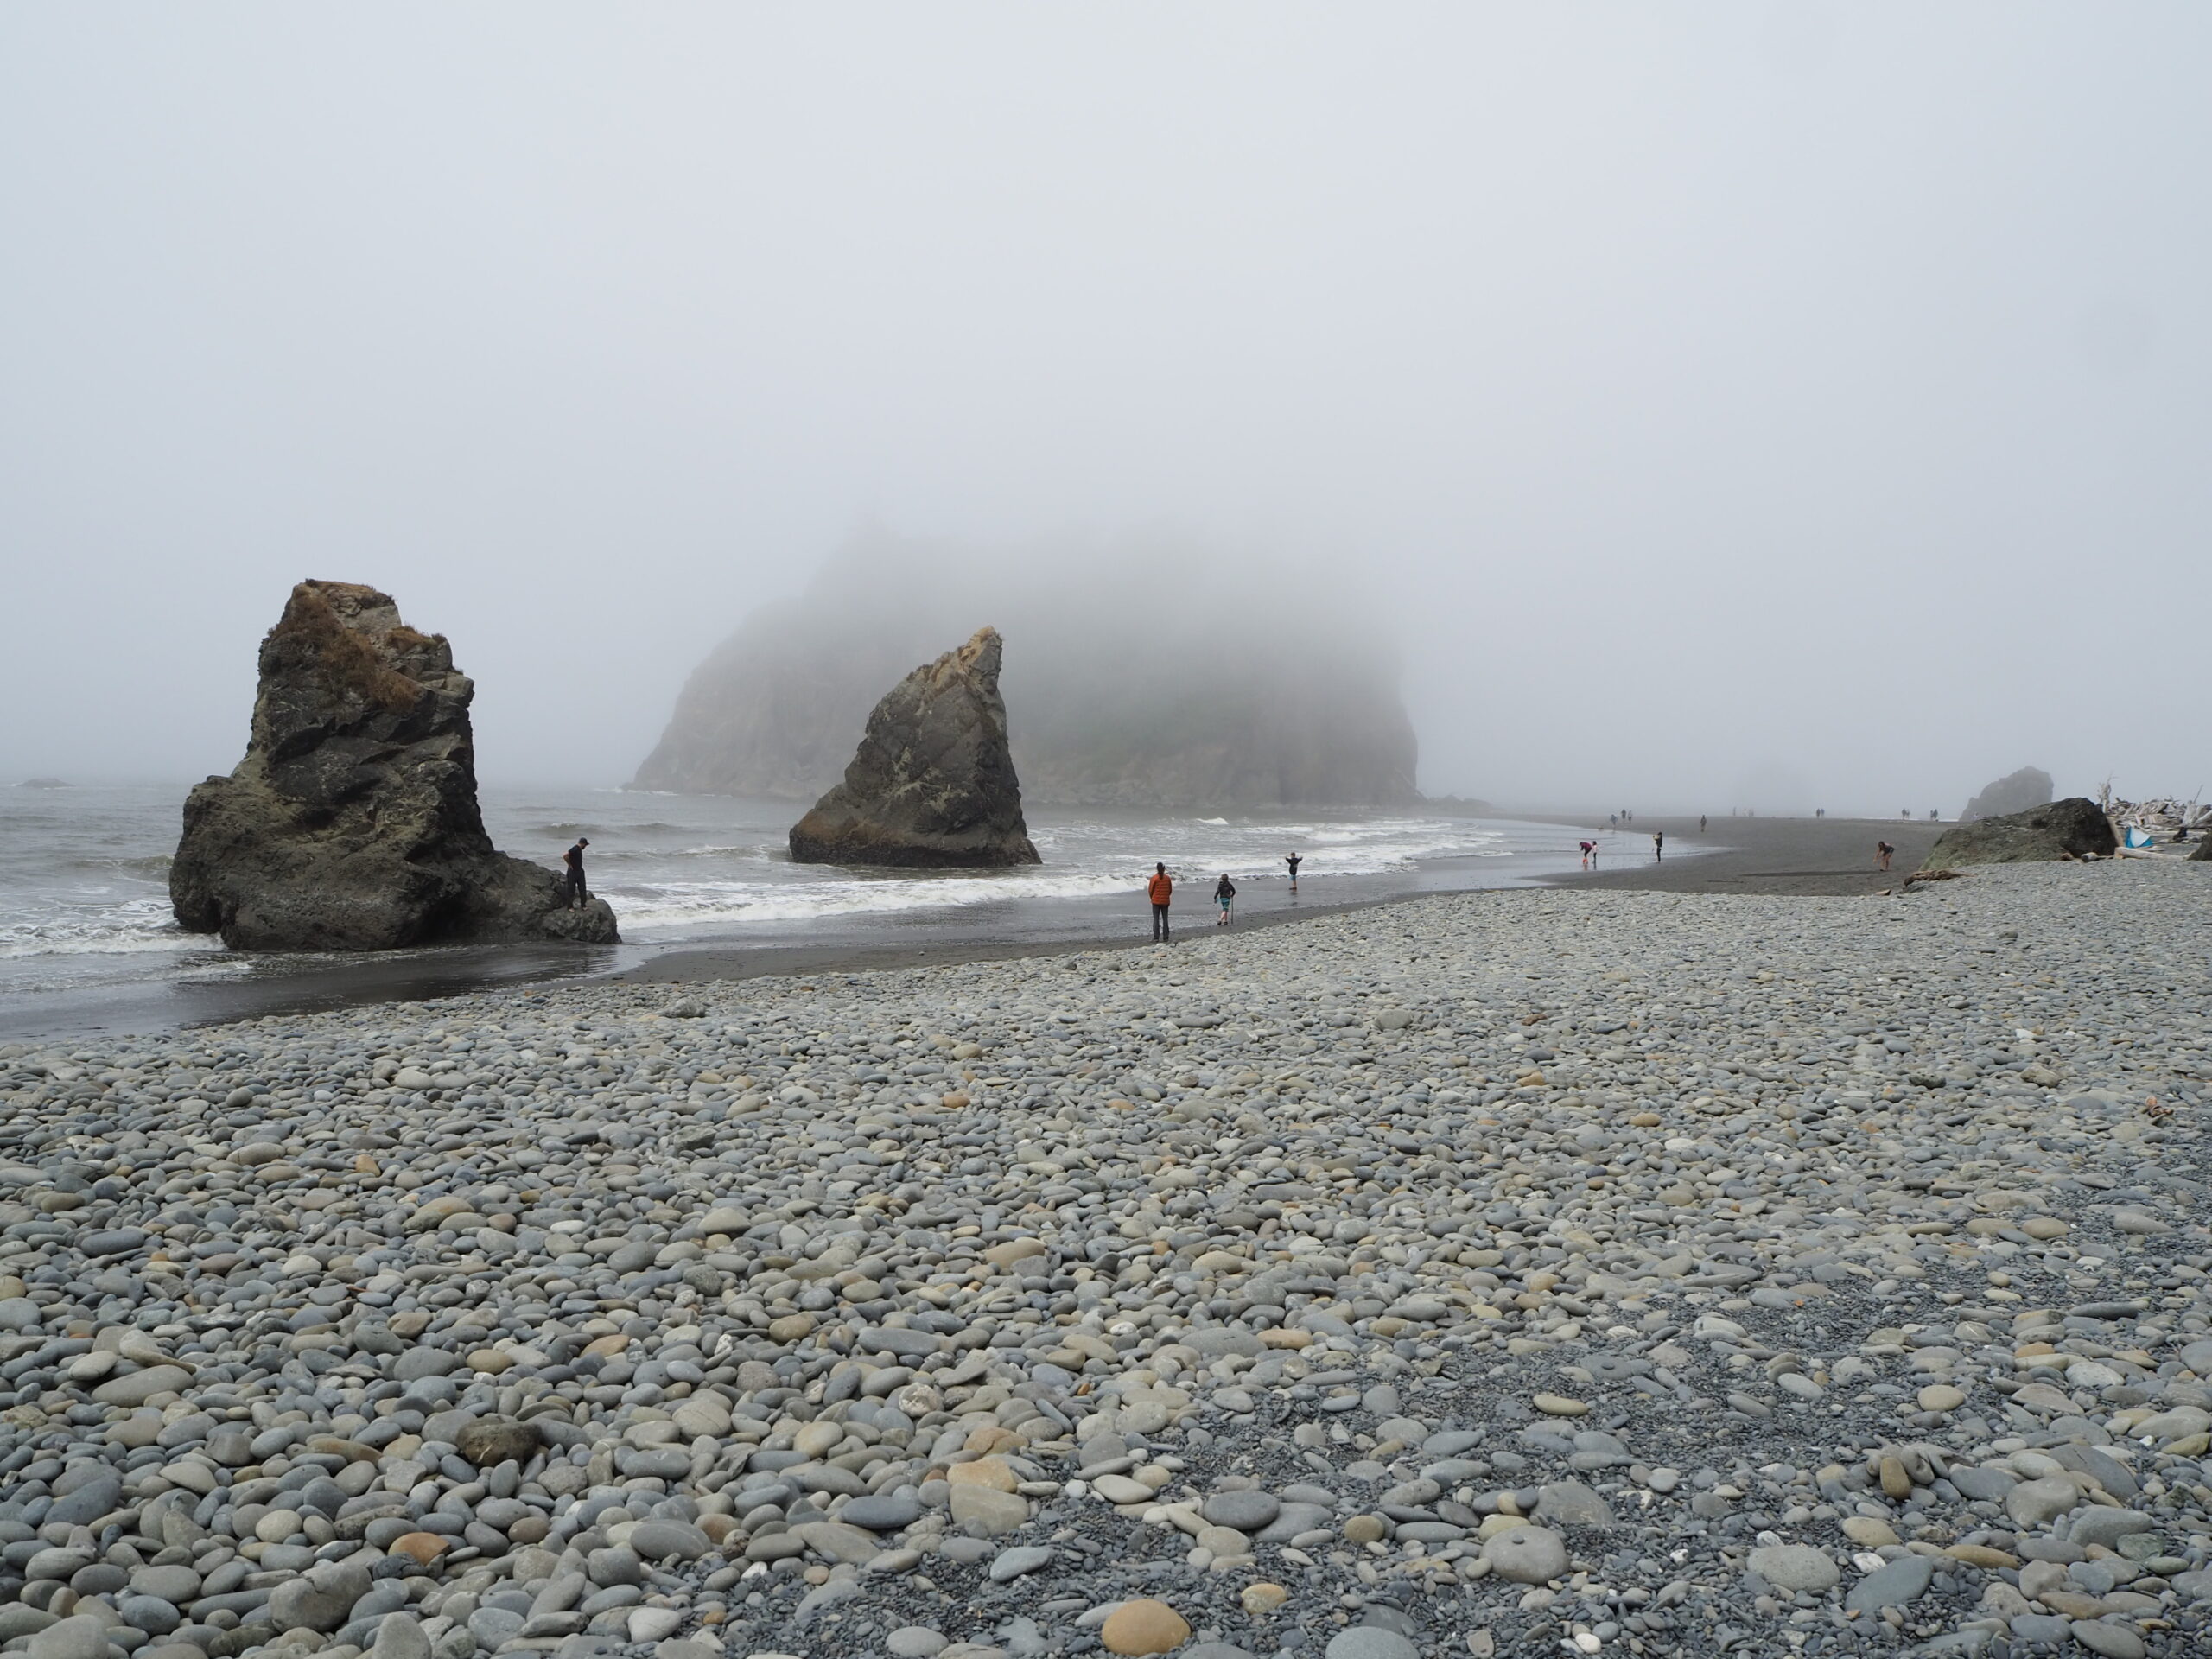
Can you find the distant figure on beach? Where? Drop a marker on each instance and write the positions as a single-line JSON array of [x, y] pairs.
[[1819, 811], [1225, 894], [1658, 845], [1701, 823], [1161, 888], [572, 886], [1883, 851], [1613, 823], [1589, 852], [1294, 860]]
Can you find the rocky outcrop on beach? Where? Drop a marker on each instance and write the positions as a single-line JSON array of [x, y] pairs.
[[2019, 792], [1499, 1274], [932, 785], [2074, 828], [351, 823], [1134, 684]]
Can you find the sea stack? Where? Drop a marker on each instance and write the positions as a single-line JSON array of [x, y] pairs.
[[2075, 827], [932, 785], [2020, 792], [352, 824]]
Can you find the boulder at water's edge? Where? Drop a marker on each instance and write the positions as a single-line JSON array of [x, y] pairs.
[[352, 824], [2074, 828], [932, 785]]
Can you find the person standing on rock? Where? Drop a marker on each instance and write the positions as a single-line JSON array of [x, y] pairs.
[[1294, 860], [1161, 888], [572, 886], [1224, 894]]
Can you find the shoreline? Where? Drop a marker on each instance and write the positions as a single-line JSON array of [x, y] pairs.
[[1773, 856], [1777, 857]]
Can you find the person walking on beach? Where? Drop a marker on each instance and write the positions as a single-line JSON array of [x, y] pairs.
[[572, 885], [1161, 888], [1225, 894], [1883, 851], [1701, 823], [1658, 845], [1294, 860]]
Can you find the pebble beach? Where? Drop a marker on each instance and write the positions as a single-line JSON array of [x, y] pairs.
[[1518, 1272]]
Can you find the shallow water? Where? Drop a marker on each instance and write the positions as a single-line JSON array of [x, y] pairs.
[[86, 939]]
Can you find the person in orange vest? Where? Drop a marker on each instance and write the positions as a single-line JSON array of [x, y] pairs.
[[1162, 889]]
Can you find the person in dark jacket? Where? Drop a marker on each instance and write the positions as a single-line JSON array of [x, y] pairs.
[[572, 885], [1224, 894]]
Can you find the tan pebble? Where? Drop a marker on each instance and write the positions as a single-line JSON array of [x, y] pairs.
[[490, 1361], [1645, 1119], [1365, 1529], [990, 1437], [277, 1526], [424, 1546], [607, 1347], [792, 1327], [1144, 1626], [1941, 1396], [1896, 1483], [1560, 1405], [996, 1473], [1982, 1555], [1867, 1532], [1261, 1600], [2044, 1227]]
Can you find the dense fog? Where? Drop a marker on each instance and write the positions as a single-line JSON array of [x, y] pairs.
[[1737, 405]]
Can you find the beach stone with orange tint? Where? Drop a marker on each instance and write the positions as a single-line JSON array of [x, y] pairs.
[[424, 1546], [1144, 1626]]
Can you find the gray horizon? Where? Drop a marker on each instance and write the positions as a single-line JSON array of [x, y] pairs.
[[1736, 406]]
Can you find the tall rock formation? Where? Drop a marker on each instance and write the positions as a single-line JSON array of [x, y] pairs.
[[933, 783], [2075, 827], [352, 824], [1142, 678], [2020, 792]]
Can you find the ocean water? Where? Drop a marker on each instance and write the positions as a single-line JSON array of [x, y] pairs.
[[86, 939]]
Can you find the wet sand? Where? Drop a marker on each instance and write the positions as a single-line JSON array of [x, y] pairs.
[[1806, 857]]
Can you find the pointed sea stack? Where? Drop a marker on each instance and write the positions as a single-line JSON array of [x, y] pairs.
[[352, 824], [932, 785]]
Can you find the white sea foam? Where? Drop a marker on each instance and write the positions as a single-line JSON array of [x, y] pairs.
[[84, 892]]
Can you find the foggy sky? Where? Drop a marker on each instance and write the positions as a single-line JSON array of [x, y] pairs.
[[1710, 393]]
